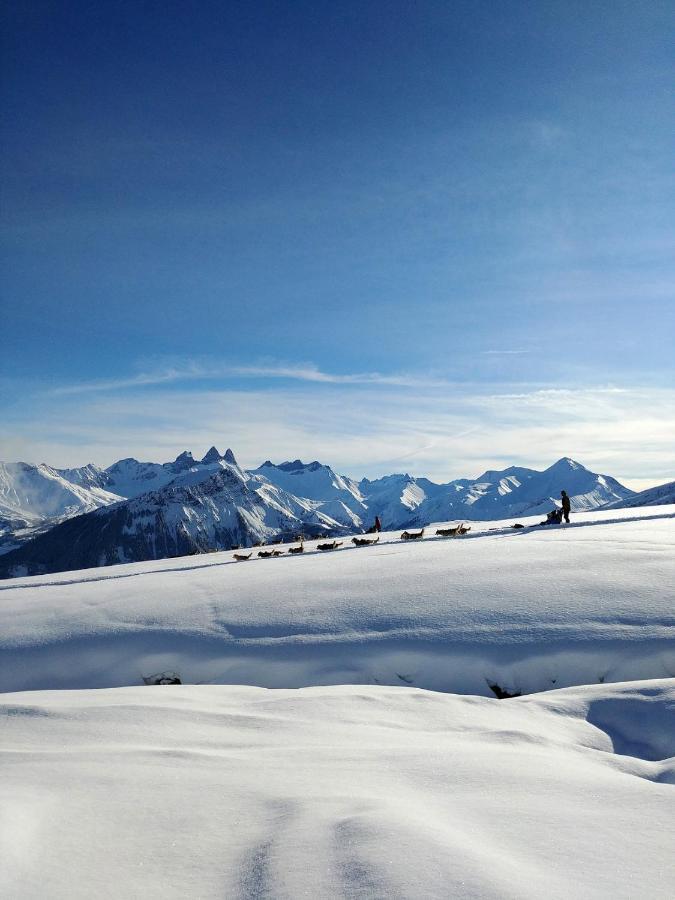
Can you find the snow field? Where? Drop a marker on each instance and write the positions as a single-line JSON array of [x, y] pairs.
[[528, 610], [370, 792]]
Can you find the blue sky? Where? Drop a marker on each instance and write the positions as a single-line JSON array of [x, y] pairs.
[[348, 230]]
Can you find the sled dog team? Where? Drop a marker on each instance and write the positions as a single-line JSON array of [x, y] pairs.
[[357, 541], [555, 517]]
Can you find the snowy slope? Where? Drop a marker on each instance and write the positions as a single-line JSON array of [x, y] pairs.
[[348, 787], [33, 498], [43, 493], [368, 792], [526, 610], [315, 481], [661, 495], [394, 498]]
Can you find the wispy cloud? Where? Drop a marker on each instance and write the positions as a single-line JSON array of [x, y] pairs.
[[196, 371], [503, 352]]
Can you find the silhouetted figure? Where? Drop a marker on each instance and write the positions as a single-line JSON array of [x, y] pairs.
[[378, 524], [554, 517], [565, 506]]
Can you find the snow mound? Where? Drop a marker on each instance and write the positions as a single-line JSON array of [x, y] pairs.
[[369, 792]]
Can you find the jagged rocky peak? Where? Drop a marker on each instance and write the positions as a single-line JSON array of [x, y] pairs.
[[230, 458], [184, 460], [213, 456]]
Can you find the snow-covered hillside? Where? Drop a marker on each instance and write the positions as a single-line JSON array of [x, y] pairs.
[[35, 497], [359, 792], [661, 495], [525, 610]]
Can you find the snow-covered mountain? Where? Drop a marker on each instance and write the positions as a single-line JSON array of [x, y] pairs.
[[518, 491], [661, 495], [188, 505], [33, 498], [131, 478], [340, 496], [210, 506]]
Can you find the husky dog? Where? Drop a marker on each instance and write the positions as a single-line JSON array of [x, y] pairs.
[[300, 549], [265, 554], [365, 542], [242, 557], [453, 532], [332, 546], [412, 535]]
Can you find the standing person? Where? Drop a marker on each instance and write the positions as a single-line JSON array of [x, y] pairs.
[[565, 506], [378, 524]]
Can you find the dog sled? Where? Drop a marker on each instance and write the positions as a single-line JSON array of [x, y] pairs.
[[412, 535], [333, 545], [365, 542], [453, 532]]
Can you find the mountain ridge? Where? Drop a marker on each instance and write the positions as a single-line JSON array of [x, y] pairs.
[[151, 510]]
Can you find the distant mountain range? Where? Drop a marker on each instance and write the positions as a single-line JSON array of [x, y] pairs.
[[54, 520]]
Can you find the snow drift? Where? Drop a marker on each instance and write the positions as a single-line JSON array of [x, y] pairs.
[[372, 792]]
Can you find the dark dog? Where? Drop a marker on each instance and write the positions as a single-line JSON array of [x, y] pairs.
[[332, 546], [364, 542], [242, 557], [412, 535], [453, 532]]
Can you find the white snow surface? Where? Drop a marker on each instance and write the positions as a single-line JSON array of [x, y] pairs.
[[527, 610], [338, 792], [342, 775]]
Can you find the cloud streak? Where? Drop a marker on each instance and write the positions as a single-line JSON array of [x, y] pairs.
[[195, 371]]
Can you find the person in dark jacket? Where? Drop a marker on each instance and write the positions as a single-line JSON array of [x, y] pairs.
[[565, 506], [378, 524]]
